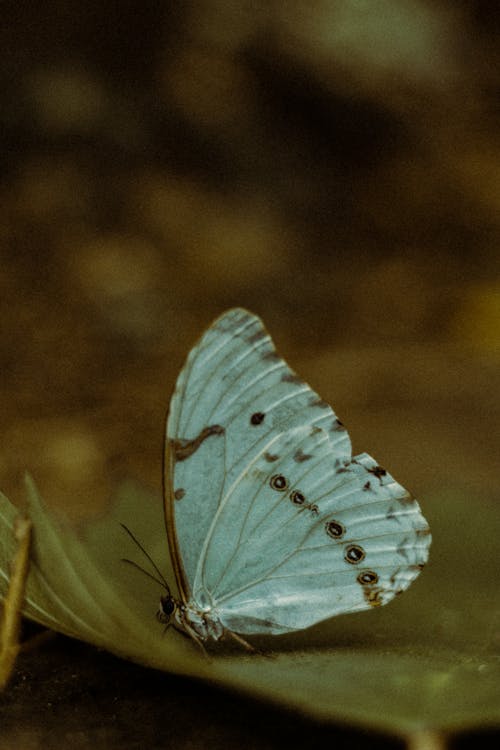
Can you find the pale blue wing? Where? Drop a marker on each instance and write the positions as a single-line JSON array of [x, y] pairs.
[[233, 396], [296, 541]]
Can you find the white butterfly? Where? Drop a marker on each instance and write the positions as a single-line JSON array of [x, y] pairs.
[[272, 524]]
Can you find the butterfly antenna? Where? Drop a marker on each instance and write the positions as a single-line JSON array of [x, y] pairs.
[[146, 572], [148, 557]]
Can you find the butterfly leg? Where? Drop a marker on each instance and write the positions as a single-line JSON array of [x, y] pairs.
[[246, 645], [196, 638], [188, 632], [11, 616]]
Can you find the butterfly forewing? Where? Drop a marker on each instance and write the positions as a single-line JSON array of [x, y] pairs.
[[232, 397]]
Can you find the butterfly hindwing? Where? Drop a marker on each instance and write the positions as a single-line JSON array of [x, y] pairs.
[[304, 540]]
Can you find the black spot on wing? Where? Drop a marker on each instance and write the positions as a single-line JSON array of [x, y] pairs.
[[314, 430], [391, 513], [406, 499], [257, 336], [337, 426], [257, 418], [270, 457], [341, 467], [315, 401], [271, 355], [299, 456], [342, 470], [401, 550], [183, 449], [423, 532], [291, 377]]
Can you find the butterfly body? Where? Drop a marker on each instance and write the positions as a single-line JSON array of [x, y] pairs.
[[201, 623], [272, 524]]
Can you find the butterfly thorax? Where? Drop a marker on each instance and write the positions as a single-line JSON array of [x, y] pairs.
[[193, 618]]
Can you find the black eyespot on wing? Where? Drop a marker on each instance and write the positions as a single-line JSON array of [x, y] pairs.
[[378, 472], [279, 482], [367, 577], [297, 497], [354, 554], [257, 418], [335, 529]]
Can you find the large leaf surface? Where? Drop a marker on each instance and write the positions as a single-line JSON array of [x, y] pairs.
[[428, 660]]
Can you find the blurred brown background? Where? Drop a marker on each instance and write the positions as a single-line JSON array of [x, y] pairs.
[[331, 165]]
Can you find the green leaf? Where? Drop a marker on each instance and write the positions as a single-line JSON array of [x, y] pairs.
[[427, 661]]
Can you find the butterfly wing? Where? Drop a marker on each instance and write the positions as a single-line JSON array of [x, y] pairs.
[[300, 541], [233, 396]]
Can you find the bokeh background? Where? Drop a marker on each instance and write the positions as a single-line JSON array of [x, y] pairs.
[[330, 165]]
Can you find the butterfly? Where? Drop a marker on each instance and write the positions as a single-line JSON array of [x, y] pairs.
[[272, 524]]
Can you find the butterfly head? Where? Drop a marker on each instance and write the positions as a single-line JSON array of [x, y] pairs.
[[166, 609]]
